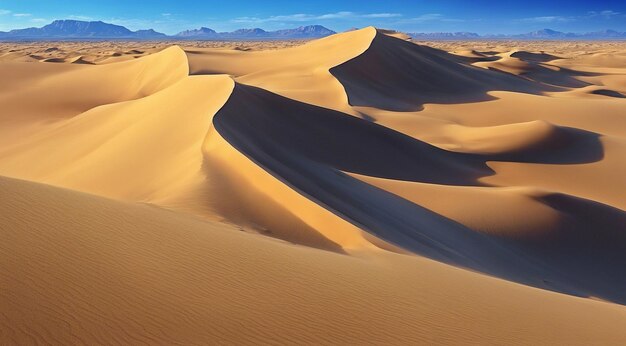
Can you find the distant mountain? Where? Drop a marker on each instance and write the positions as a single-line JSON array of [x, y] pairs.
[[67, 29], [548, 34], [607, 34], [311, 31], [444, 36], [76, 29], [198, 33], [246, 33], [304, 31], [149, 33], [543, 34]]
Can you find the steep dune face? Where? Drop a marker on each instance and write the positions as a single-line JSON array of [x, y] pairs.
[[337, 140], [397, 75], [309, 161], [305, 192], [241, 191]]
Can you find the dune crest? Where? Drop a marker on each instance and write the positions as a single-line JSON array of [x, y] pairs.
[[396, 75]]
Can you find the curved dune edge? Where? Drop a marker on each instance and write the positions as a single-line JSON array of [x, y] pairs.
[[264, 127], [128, 273]]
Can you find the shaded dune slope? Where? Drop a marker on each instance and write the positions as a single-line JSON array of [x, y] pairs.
[[299, 144], [344, 142], [536, 57], [609, 93], [533, 142], [534, 67], [397, 75], [564, 245]]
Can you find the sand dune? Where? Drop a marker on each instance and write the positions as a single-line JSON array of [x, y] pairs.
[[64, 91], [119, 272], [532, 66], [301, 73], [112, 149], [304, 161], [402, 76], [359, 188]]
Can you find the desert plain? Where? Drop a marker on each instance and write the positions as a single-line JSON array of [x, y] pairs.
[[357, 189]]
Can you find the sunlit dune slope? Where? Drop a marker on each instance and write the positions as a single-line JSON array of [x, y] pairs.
[[36, 94], [142, 149]]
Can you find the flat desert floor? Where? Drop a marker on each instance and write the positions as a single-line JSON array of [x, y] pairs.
[[356, 189]]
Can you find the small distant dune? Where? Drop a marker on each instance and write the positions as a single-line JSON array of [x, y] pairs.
[[535, 57], [609, 93]]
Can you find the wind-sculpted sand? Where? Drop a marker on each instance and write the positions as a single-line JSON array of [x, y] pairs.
[[357, 189]]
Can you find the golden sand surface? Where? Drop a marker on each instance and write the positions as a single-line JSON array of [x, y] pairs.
[[356, 189]]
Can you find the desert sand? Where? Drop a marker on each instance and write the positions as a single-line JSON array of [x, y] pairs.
[[356, 189]]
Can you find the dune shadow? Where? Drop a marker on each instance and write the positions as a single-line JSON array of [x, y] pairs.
[[589, 247], [609, 93], [565, 145], [557, 76], [476, 56], [355, 145], [309, 149], [563, 77], [344, 142], [535, 57]]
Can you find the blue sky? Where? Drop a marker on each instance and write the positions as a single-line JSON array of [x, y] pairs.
[[481, 16]]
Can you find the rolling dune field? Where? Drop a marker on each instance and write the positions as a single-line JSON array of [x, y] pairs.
[[356, 189]]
